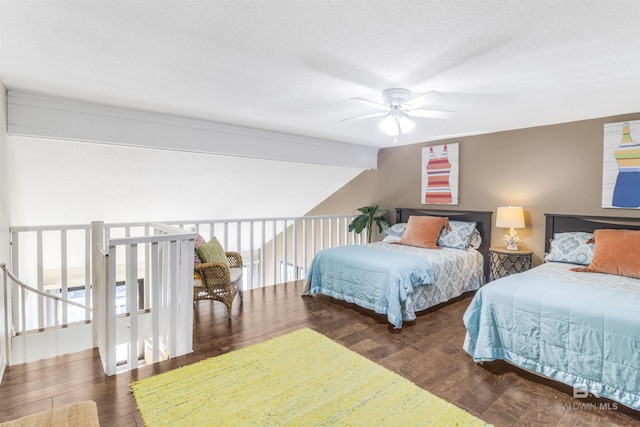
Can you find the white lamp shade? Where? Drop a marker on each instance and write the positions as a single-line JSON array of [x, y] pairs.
[[510, 217]]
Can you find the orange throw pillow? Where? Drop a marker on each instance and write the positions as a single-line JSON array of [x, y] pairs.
[[423, 231], [615, 252]]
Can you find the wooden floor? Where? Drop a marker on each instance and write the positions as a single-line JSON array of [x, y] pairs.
[[427, 351]]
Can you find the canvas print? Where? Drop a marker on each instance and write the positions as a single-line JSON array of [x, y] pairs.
[[621, 165], [440, 168]]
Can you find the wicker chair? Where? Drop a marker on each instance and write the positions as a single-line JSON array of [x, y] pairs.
[[219, 281]]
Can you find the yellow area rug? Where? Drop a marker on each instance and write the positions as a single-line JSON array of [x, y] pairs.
[[299, 379]]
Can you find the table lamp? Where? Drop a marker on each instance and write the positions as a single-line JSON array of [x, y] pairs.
[[510, 217]]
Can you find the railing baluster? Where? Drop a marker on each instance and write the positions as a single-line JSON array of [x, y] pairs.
[[110, 317], [17, 306], [40, 275], [295, 249], [7, 322], [251, 256], [64, 276], [304, 245], [346, 231], [88, 285], [313, 238], [155, 303], [23, 319], [55, 313], [146, 282], [131, 286], [173, 291], [263, 255], [185, 307], [284, 271], [332, 233], [238, 236], [274, 238]]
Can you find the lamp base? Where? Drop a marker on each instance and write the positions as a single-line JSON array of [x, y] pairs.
[[512, 240]]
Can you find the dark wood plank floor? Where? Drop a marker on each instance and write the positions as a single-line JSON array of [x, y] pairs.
[[427, 351]]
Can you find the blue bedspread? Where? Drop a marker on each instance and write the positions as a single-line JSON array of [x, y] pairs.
[[372, 278], [580, 334]]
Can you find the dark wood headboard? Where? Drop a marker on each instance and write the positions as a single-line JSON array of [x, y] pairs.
[[482, 218], [561, 223]]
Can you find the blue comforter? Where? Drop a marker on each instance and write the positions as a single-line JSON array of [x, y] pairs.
[[583, 335], [372, 278]]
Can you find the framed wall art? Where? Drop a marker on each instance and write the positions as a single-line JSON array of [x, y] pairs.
[[440, 172], [621, 165]]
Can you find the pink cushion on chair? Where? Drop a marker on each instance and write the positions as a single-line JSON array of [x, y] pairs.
[[196, 244]]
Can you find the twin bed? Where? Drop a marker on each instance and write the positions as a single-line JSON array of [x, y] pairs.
[[399, 280], [579, 328]]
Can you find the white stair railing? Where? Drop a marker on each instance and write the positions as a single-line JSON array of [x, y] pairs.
[[11, 352], [161, 323], [57, 260], [277, 250], [127, 269]]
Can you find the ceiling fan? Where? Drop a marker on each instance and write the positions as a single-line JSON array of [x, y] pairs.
[[399, 105]]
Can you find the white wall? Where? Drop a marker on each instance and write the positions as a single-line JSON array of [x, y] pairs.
[[63, 182], [4, 214]]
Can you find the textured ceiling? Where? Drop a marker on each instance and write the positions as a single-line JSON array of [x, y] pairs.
[[290, 66]]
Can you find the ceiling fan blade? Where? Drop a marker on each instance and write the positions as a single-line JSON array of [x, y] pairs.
[[433, 114], [425, 98], [365, 116], [373, 104]]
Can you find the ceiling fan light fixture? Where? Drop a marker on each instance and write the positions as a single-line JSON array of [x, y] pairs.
[[400, 106], [396, 123], [389, 125], [406, 125]]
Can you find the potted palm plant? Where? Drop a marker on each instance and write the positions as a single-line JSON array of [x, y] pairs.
[[369, 215]]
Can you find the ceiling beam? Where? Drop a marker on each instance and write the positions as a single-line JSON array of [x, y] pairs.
[[42, 116]]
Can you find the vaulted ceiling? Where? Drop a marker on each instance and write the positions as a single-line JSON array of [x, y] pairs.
[[291, 66]]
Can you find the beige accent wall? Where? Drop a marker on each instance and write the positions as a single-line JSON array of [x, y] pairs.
[[547, 169]]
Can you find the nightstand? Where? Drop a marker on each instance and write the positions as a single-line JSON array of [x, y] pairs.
[[505, 262]]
